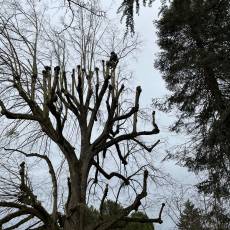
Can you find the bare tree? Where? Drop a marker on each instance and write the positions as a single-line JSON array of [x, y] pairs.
[[82, 124]]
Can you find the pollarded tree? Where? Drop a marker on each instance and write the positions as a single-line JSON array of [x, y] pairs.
[[81, 125], [194, 39]]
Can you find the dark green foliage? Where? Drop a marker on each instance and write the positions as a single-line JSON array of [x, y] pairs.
[[190, 218], [194, 36], [128, 7], [139, 226], [112, 209], [213, 218], [217, 218], [92, 216]]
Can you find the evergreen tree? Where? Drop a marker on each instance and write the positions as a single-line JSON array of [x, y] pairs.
[[213, 218], [217, 218], [190, 219], [195, 62]]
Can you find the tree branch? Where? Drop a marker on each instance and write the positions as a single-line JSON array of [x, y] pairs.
[[98, 102], [137, 97], [15, 226], [100, 143], [52, 174], [145, 220], [21, 116], [137, 202], [134, 206], [103, 199], [28, 210], [11, 216], [109, 176], [149, 149], [123, 137]]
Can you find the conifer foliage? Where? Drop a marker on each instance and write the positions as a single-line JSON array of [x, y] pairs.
[[194, 59], [190, 218]]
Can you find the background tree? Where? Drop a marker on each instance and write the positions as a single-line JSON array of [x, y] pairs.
[[216, 216], [190, 218], [189, 209], [213, 217], [139, 226], [81, 125], [111, 208], [194, 41]]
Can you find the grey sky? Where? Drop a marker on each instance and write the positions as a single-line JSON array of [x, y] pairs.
[[153, 86]]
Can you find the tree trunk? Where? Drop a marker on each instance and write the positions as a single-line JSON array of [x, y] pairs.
[[75, 210]]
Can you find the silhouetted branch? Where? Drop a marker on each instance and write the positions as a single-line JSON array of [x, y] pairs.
[[19, 223], [11, 115], [103, 199], [145, 220], [52, 174], [109, 176]]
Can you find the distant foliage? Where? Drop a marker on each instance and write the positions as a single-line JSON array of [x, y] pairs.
[[190, 218], [111, 209], [139, 226], [193, 218]]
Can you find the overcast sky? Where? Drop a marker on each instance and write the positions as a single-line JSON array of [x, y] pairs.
[[153, 86]]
